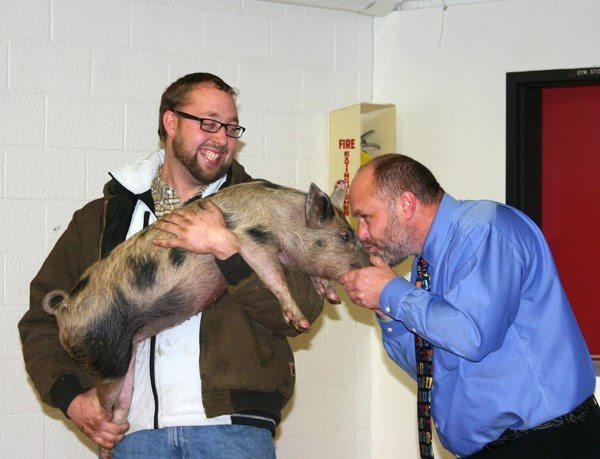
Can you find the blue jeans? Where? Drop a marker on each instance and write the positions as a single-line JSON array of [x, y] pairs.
[[206, 442]]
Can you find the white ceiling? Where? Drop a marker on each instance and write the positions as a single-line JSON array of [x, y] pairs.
[[380, 7], [372, 7]]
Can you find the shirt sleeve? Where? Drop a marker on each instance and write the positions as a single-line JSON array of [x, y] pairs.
[[399, 344], [234, 269], [473, 301]]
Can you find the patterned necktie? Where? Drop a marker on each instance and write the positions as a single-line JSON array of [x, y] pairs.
[[424, 353]]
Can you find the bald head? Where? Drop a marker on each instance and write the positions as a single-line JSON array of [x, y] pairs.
[[394, 199]]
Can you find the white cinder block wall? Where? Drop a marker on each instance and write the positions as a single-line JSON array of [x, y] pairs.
[[80, 83]]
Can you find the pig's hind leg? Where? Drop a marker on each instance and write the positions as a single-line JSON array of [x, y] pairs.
[[115, 395], [265, 263]]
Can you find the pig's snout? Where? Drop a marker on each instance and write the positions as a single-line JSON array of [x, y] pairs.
[[363, 259], [360, 265]]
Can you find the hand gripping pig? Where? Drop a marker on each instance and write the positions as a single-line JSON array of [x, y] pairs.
[[140, 289]]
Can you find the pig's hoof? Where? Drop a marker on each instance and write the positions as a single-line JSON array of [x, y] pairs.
[[332, 296], [300, 323], [303, 325]]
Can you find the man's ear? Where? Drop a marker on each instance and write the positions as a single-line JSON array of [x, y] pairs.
[[406, 205], [169, 120]]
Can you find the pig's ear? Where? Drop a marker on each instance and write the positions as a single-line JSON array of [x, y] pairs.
[[338, 194], [318, 207]]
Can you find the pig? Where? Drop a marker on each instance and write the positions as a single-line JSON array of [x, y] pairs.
[[140, 289]]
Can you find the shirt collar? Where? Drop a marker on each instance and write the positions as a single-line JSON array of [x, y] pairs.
[[440, 229], [166, 198]]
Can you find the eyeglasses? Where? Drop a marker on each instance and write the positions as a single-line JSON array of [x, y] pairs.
[[214, 126]]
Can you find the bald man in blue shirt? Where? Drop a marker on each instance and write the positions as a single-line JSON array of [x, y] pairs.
[[512, 375]]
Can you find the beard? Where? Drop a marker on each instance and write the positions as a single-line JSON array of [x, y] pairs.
[[396, 245], [188, 159]]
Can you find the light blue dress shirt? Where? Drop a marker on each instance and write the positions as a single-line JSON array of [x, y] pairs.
[[508, 350]]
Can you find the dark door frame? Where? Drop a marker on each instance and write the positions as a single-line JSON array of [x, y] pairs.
[[524, 132], [524, 129]]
